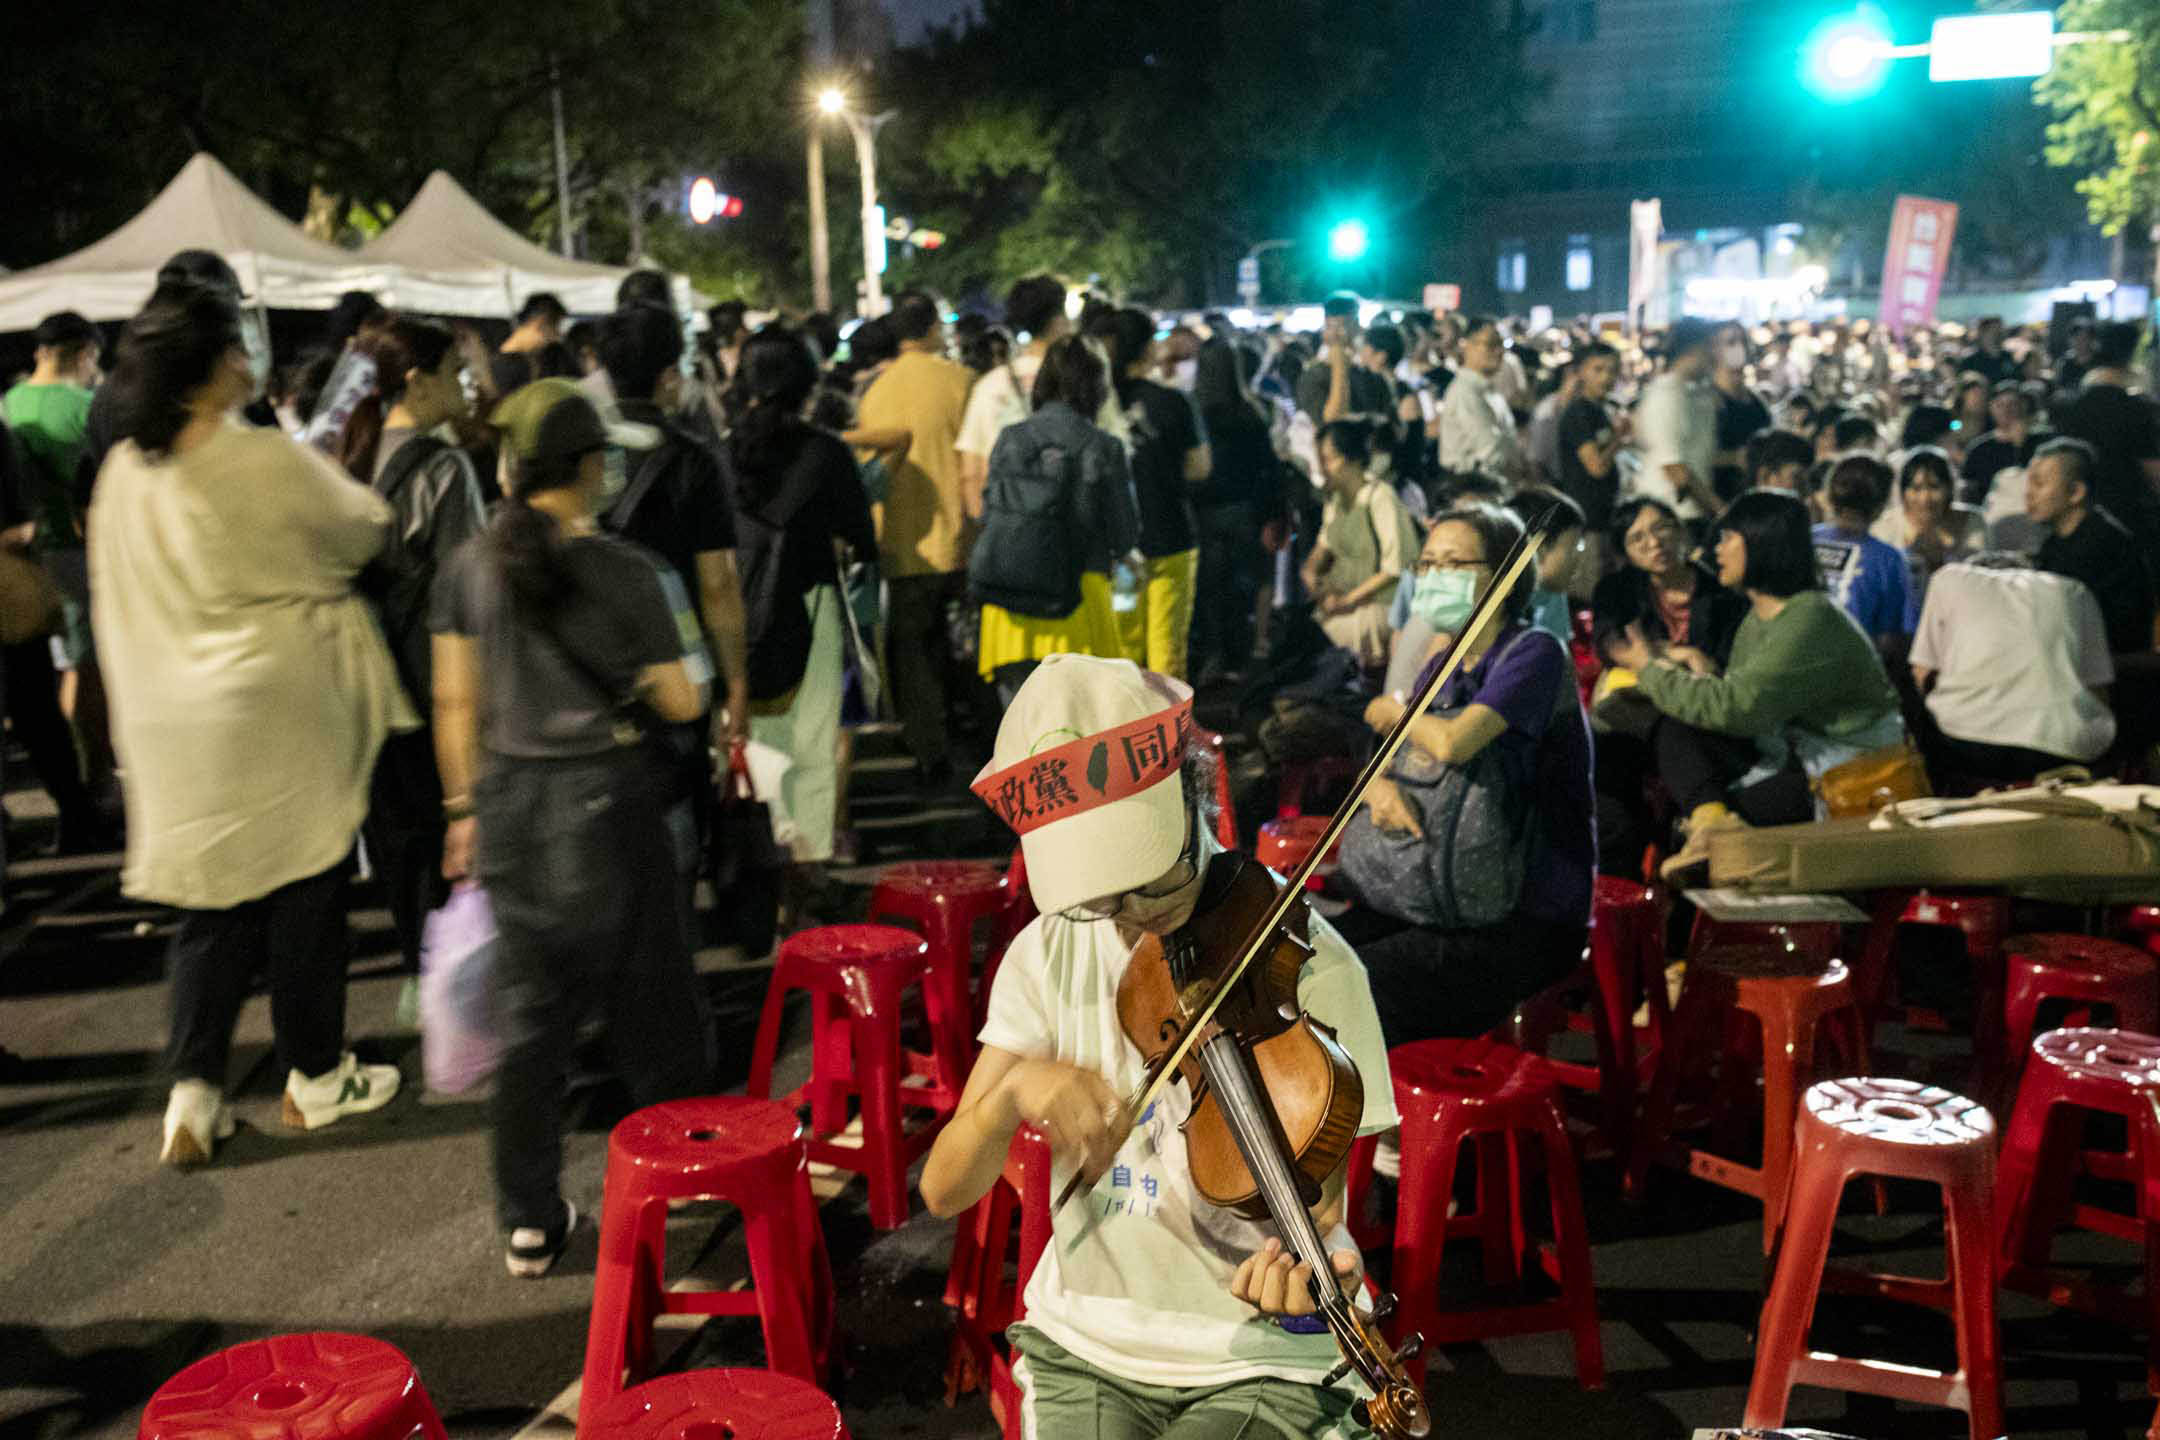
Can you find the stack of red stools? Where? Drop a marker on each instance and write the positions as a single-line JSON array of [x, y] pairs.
[[943, 901], [322, 1386], [984, 1295], [2090, 975], [1898, 1129], [1982, 919], [716, 1405], [2072, 1076], [857, 977], [1503, 1104], [1625, 972], [1794, 997], [749, 1153]]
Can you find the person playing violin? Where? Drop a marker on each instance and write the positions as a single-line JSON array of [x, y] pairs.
[[1152, 1313]]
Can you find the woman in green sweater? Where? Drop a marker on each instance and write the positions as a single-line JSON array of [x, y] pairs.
[[1803, 692]]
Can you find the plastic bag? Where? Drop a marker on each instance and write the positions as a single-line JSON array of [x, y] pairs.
[[746, 866], [458, 1044]]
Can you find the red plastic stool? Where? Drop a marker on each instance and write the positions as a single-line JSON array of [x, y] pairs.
[[2072, 1074], [2142, 924], [2084, 969], [1284, 844], [984, 1295], [717, 1405], [1624, 973], [1818, 940], [943, 900], [323, 1386], [1790, 999], [1982, 919], [1901, 1129], [749, 1153], [856, 976], [1005, 927], [1493, 1096], [1300, 776]]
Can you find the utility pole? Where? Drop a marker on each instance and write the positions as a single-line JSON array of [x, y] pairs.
[[873, 231], [820, 234], [562, 163]]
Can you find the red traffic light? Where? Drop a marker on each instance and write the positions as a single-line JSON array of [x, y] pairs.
[[730, 206]]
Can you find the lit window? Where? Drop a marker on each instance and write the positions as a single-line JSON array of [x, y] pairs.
[[1578, 262], [1512, 274]]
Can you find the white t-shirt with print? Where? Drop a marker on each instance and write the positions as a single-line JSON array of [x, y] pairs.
[[2016, 654], [1146, 1294]]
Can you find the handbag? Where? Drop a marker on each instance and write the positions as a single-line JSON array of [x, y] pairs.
[[745, 864], [1866, 783], [29, 600], [1466, 870], [458, 1044]]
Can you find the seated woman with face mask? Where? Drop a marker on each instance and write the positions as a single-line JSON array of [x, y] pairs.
[[1453, 941]]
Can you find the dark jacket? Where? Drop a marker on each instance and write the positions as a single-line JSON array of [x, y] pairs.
[[1623, 599], [438, 508], [1108, 515]]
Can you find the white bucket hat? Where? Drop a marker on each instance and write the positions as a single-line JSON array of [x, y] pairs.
[[1086, 770]]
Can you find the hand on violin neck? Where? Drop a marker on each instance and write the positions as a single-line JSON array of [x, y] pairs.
[[1275, 1282], [1084, 1118]]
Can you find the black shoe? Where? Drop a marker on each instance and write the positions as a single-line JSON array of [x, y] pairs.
[[533, 1252]]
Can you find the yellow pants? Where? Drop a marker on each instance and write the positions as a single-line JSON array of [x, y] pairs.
[[1155, 632]]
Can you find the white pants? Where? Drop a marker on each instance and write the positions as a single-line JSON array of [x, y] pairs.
[[808, 733]]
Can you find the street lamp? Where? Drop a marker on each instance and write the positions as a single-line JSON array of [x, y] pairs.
[[834, 101]]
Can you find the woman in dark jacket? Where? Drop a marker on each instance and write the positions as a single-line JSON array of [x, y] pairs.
[[1678, 604], [388, 443], [1243, 491]]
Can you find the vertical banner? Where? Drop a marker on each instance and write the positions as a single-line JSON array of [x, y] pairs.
[[1646, 223], [1920, 233]]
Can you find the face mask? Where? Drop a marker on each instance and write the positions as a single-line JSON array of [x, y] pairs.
[[1549, 612], [617, 476], [1444, 599]]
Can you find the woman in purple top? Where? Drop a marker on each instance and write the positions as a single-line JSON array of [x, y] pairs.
[[1515, 692]]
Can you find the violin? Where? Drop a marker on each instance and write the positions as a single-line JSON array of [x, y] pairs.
[[1275, 1096]]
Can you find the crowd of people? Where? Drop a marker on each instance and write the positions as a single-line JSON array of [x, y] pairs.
[[494, 606]]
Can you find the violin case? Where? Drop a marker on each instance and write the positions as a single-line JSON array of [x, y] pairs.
[[2099, 841]]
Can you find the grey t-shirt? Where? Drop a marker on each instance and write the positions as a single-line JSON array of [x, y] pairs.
[[627, 611]]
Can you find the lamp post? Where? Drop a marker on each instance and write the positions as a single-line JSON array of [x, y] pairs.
[[834, 101]]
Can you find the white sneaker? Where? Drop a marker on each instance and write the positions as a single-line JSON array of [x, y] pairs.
[[196, 1118], [351, 1089]]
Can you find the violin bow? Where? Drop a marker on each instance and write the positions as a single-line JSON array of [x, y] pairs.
[[1488, 610]]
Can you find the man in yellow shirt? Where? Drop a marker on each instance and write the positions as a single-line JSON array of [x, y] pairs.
[[923, 532]]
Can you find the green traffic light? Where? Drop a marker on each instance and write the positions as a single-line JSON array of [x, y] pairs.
[[1847, 57], [1347, 240]]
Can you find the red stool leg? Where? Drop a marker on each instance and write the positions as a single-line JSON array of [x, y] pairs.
[[1695, 1027], [1431, 1152], [877, 1051], [619, 1304], [1781, 1339], [1970, 1233], [1571, 1248], [1499, 1217], [765, 1050], [780, 1272]]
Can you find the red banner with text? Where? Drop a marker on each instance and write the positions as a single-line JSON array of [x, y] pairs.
[[1920, 233]]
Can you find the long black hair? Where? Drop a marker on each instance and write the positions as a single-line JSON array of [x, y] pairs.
[[168, 352], [1780, 550], [1073, 373], [397, 347], [523, 540], [779, 370], [1219, 387]]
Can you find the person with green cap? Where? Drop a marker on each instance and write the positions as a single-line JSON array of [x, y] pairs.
[[560, 654]]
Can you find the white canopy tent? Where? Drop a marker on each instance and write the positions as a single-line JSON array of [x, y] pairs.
[[446, 255], [205, 207]]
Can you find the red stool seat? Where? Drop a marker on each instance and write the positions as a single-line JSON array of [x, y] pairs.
[[1479, 1092], [857, 977], [1791, 999], [321, 1386], [2073, 1074], [1284, 844], [717, 1405], [943, 901], [749, 1153], [1625, 972], [1818, 940], [986, 1286], [1886, 1128], [2083, 969], [2142, 922]]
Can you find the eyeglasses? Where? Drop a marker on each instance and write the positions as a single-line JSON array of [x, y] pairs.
[[1431, 567], [1180, 875]]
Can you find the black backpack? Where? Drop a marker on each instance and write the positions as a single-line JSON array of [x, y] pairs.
[[402, 577], [1027, 559], [775, 617]]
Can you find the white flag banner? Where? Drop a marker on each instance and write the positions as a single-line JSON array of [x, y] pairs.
[[1646, 268]]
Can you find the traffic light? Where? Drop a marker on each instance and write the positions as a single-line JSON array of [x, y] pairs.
[[707, 202], [1847, 56], [1347, 240]]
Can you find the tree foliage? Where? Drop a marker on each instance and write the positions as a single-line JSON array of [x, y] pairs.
[[2106, 99]]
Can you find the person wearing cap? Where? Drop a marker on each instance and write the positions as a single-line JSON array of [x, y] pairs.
[[561, 654], [1676, 424], [1149, 1305]]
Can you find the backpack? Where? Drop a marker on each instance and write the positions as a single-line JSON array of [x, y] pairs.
[[1027, 560], [402, 577], [775, 618]]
